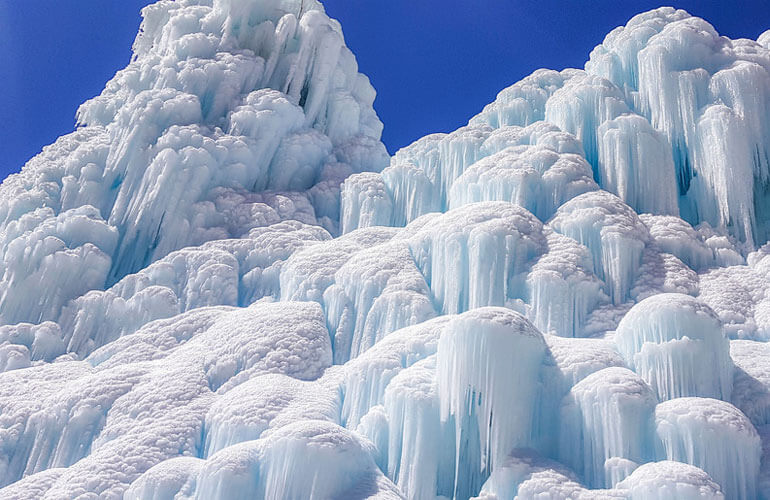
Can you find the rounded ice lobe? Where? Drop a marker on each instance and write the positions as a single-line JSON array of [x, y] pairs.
[[634, 162], [606, 417], [698, 248], [72, 249], [523, 103], [367, 376], [178, 320], [675, 342], [477, 255], [667, 479], [764, 39], [491, 418], [305, 459], [613, 233], [166, 479], [524, 474], [730, 452], [536, 178], [262, 403], [538, 167], [562, 287]]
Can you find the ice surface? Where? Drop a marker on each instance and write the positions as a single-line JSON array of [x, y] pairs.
[[667, 479], [738, 294], [612, 232], [730, 454], [676, 344], [604, 417], [751, 390], [475, 353], [220, 286]]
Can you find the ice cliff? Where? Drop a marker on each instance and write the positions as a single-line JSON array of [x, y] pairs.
[[220, 286]]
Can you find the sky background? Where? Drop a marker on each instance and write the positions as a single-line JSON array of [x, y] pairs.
[[434, 63]]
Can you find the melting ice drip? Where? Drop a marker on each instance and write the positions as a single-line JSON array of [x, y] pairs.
[[220, 286]]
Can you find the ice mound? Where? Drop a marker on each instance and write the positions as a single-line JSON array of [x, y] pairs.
[[220, 286], [677, 345], [490, 419], [612, 232], [336, 463], [667, 479], [730, 453], [604, 418]]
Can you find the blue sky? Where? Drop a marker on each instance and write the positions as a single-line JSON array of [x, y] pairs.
[[434, 63]]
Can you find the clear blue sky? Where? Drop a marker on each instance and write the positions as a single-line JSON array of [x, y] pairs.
[[434, 63]]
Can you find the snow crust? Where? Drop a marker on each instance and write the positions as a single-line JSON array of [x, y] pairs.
[[220, 286]]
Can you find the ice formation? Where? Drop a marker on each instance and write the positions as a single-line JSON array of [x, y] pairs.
[[604, 418], [677, 345], [220, 286]]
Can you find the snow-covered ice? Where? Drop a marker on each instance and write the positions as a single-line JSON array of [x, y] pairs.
[[221, 286]]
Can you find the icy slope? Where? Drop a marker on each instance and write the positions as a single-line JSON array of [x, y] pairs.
[[232, 115], [217, 288], [672, 118]]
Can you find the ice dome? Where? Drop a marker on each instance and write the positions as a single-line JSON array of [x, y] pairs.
[[221, 286]]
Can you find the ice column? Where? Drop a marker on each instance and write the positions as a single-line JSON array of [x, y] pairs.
[[477, 255], [364, 202], [606, 416], [415, 430], [488, 372], [562, 287]]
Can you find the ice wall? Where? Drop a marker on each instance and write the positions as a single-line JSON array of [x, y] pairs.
[[219, 286]]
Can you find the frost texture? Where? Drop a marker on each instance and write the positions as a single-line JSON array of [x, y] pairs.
[[220, 286]]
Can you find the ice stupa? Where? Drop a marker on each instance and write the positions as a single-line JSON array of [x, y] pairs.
[[220, 286]]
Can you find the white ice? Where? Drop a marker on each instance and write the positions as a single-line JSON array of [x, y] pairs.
[[221, 286]]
